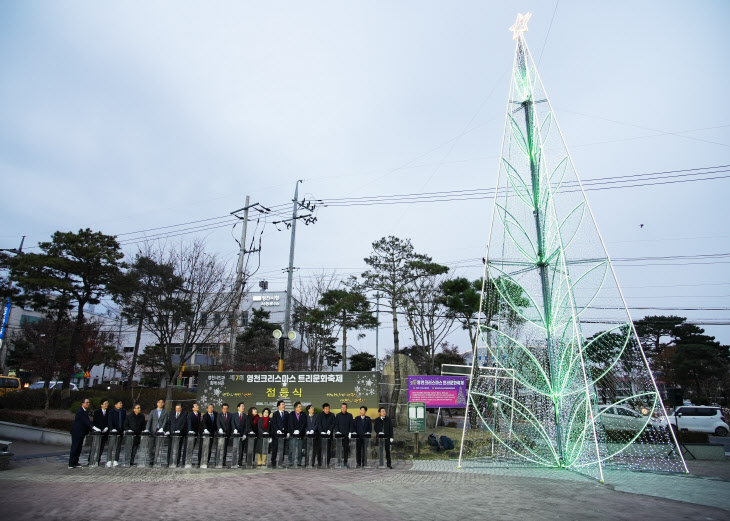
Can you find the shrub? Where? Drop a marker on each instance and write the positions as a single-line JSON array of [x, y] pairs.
[[35, 399], [61, 424]]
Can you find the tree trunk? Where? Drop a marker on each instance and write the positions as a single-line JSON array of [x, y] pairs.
[[395, 395], [133, 368], [168, 397], [73, 345]]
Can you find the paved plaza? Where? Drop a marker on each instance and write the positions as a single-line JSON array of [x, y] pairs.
[[39, 486]]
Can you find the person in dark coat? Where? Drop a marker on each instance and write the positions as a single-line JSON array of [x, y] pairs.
[[264, 431], [116, 427], [343, 430], [79, 429], [178, 427], [363, 428], [239, 424], [225, 428], [297, 426], [101, 424], [384, 429], [279, 421], [134, 424], [210, 420], [326, 430], [195, 425], [313, 432]]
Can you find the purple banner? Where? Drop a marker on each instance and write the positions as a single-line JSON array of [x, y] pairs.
[[438, 391]]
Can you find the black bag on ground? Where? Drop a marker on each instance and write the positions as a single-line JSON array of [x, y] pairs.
[[446, 443], [434, 441]]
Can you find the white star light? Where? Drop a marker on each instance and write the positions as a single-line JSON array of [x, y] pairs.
[[520, 25]]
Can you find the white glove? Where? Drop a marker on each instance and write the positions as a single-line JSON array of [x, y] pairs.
[[279, 432], [130, 431], [146, 430], [243, 437], [220, 431], [391, 440], [105, 429], [328, 433], [114, 430], [96, 429], [176, 432], [235, 431], [338, 433], [160, 431], [349, 435], [287, 435], [296, 433], [167, 433], [310, 432], [206, 431]]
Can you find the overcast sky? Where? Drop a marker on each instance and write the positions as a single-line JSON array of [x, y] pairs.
[[129, 116]]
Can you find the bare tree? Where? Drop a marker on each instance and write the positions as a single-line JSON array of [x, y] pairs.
[[427, 316], [316, 328], [191, 311]]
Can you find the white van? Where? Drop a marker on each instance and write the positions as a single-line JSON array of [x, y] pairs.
[[700, 418]]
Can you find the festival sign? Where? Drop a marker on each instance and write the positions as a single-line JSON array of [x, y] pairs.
[[438, 391], [264, 389]]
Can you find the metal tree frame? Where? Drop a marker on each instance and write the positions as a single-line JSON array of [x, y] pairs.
[[566, 340]]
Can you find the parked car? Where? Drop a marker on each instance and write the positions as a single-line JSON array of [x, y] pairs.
[[700, 418], [621, 418], [8, 384], [52, 385]]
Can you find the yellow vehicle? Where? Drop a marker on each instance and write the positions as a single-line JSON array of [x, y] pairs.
[[9, 383]]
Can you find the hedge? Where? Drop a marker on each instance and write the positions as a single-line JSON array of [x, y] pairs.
[[26, 399], [24, 418]]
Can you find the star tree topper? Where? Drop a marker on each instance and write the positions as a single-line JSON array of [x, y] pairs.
[[520, 25]]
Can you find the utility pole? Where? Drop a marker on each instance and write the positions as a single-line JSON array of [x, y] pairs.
[[239, 277], [6, 318], [290, 276]]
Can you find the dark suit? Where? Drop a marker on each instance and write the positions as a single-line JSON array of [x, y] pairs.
[[178, 422], [326, 423], [195, 425], [344, 425], [80, 428], [384, 429], [296, 425], [116, 419], [279, 420], [101, 422], [313, 425], [223, 423], [240, 423], [136, 424], [209, 423], [364, 428]]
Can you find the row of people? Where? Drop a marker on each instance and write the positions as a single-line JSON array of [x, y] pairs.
[[277, 427]]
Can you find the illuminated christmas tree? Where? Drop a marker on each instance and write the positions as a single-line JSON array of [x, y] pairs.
[[568, 384]]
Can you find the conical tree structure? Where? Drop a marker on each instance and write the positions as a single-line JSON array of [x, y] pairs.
[[567, 384]]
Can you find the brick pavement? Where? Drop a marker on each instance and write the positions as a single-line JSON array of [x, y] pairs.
[[426, 490]]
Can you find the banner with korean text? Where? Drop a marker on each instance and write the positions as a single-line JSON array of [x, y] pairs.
[[438, 391], [264, 389]]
